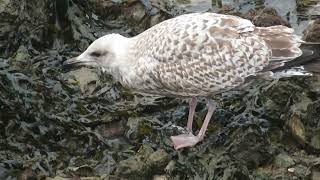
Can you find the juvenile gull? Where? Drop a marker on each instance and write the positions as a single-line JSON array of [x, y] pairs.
[[196, 55]]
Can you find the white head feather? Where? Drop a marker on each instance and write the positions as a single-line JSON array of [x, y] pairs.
[[110, 52]]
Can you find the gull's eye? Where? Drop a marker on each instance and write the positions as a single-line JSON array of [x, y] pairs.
[[96, 54]]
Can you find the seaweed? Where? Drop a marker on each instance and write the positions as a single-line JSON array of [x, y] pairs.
[[63, 123]]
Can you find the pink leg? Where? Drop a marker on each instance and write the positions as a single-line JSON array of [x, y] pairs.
[[189, 140], [211, 109], [192, 108]]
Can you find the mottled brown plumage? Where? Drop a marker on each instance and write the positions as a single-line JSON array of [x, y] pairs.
[[193, 55], [203, 54]]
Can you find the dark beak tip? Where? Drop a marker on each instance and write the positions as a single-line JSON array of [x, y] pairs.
[[70, 61]]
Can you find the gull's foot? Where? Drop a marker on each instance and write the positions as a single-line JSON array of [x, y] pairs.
[[184, 140]]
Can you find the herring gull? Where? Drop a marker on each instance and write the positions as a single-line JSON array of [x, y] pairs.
[[196, 55]]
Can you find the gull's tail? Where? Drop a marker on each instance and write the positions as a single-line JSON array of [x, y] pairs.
[[290, 56], [309, 61]]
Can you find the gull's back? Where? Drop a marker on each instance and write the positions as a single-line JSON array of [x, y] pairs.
[[202, 54]]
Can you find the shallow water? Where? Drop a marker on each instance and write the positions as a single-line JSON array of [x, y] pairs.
[[285, 8], [194, 5]]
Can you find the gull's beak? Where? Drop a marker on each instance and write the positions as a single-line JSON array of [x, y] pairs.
[[70, 62], [78, 61]]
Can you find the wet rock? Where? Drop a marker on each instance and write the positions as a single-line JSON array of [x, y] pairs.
[[86, 78], [315, 140], [195, 6], [111, 129], [313, 116], [106, 165], [304, 3], [170, 167], [225, 167], [301, 105], [136, 14], [266, 17], [315, 171], [145, 163], [311, 33], [277, 98], [82, 171], [9, 11], [22, 57], [297, 128], [9, 7], [283, 160], [27, 174], [133, 127], [314, 10], [160, 177], [156, 19], [250, 147], [136, 127], [47, 113], [300, 171], [61, 11], [4, 173], [160, 158], [314, 84]]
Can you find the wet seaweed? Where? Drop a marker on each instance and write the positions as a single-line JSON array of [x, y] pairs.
[[56, 123]]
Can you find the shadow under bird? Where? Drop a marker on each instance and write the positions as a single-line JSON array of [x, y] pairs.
[[199, 55]]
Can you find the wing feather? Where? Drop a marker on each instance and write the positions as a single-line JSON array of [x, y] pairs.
[[200, 54]]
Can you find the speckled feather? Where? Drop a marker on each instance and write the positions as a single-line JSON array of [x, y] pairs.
[[202, 54]]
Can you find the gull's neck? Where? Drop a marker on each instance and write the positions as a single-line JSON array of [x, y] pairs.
[[124, 61]]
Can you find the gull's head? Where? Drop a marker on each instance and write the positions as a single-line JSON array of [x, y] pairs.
[[107, 52]]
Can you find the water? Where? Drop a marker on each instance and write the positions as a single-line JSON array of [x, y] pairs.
[[287, 9], [194, 5]]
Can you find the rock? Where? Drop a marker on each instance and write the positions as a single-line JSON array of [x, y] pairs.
[[82, 171], [136, 127], [56, 178], [145, 163], [4, 172], [160, 177], [106, 165], [9, 7], [314, 84], [170, 167], [314, 10], [53, 115], [86, 78], [276, 97], [195, 6], [304, 3], [297, 128], [315, 140], [300, 171], [250, 147], [313, 116], [131, 167], [27, 174], [132, 125], [111, 129], [136, 13], [226, 167], [283, 160], [156, 19], [311, 33], [266, 17], [160, 158], [301, 106], [22, 57], [315, 172], [315, 175]]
